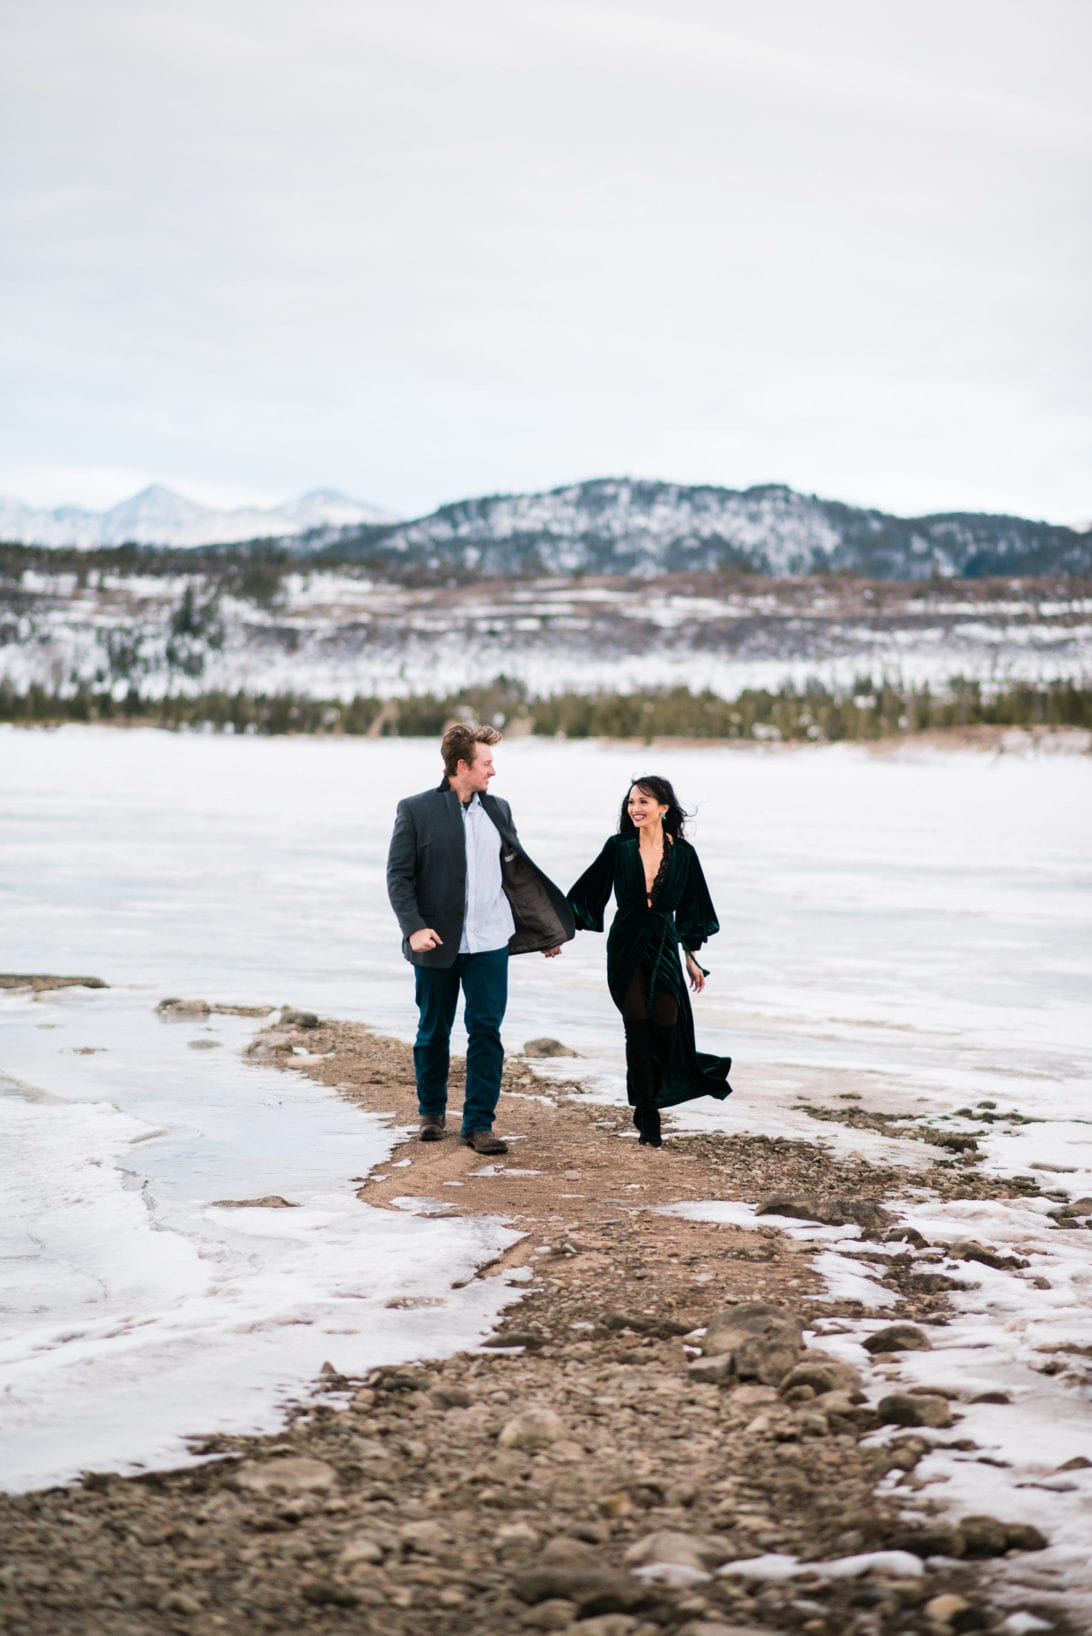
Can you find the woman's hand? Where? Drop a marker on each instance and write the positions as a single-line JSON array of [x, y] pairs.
[[695, 974]]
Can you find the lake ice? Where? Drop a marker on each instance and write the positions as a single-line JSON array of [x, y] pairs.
[[911, 930]]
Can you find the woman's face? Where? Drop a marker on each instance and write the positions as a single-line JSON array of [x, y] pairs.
[[644, 809]]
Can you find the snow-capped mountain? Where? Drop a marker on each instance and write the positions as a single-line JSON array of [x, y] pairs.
[[160, 516], [618, 525]]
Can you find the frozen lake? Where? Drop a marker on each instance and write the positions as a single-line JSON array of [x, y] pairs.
[[914, 930]]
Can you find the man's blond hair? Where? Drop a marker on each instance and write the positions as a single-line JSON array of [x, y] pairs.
[[460, 743]]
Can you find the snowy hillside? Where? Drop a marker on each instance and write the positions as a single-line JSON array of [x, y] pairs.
[[614, 525], [328, 633], [604, 526], [159, 516]]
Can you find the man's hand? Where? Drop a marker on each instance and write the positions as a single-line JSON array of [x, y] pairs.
[[549, 953], [424, 940]]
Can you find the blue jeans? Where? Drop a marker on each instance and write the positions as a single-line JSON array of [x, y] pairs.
[[484, 981]]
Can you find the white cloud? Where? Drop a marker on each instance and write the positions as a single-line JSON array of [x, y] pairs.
[[427, 251]]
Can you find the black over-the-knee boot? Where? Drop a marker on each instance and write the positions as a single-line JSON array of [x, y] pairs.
[[641, 1078]]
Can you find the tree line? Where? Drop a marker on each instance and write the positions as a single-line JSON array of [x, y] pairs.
[[811, 713]]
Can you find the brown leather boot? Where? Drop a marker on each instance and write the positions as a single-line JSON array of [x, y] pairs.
[[430, 1127], [483, 1141]]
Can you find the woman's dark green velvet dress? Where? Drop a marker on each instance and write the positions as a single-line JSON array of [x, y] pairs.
[[645, 941]]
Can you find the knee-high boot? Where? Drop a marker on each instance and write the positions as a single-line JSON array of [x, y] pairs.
[[643, 1080], [662, 1043]]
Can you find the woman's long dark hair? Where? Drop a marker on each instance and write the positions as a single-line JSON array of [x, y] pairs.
[[660, 790]]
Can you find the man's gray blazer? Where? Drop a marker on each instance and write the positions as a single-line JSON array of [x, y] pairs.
[[426, 878]]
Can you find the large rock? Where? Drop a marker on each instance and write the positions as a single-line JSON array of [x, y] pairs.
[[673, 1558], [898, 1338], [914, 1409], [823, 1373], [547, 1047], [535, 1428], [293, 1474], [183, 1008], [988, 1536], [865, 1213], [763, 1341], [968, 1249], [593, 1589], [291, 1017]]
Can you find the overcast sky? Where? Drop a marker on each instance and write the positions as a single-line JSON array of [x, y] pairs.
[[438, 248]]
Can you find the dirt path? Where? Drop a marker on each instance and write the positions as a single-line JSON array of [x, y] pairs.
[[582, 1473]]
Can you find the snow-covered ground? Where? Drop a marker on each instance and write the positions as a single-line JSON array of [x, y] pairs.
[[336, 634], [905, 936]]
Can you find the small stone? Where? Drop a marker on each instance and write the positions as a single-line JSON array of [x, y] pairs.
[[933, 1539], [713, 1627], [992, 1397], [987, 1536], [204, 1045], [843, 1411], [425, 1538], [968, 1250], [326, 1593], [529, 1339], [296, 1474], [904, 1454], [547, 1047], [608, 1624], [180, 1602], [566, 1550], [515, 1537], [914, 1409], [554, 1614], [753, 1397], [822, 1373], [951, 1612], [716, 1369], [183, 1008], [269, 1044], [668, 1547], [594, 1590], [291, 1018], [898, 1338], [450, 1397], [533, 1429], [362, 1552]]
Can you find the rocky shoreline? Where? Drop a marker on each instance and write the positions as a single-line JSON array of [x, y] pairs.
[[644, 1447]]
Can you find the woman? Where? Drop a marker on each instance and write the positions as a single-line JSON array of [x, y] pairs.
[[663, 902]]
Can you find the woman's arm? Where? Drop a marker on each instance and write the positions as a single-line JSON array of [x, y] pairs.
[[588, 896]]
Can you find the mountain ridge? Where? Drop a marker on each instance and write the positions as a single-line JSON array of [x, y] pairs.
[[161, 516], [605, 525], [643, 526]]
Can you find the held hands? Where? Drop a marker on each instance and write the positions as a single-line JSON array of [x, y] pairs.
[[421, 942], [424, 941], [695, 974]]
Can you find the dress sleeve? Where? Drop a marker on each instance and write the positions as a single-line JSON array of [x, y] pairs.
[[695, 917], [588, 897]]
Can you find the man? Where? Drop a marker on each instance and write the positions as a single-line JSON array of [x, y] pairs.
[[466, 896]]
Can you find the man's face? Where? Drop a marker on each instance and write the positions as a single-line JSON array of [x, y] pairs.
[[481, 769]]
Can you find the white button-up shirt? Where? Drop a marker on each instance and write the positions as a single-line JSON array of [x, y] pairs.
[[488, 922]]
